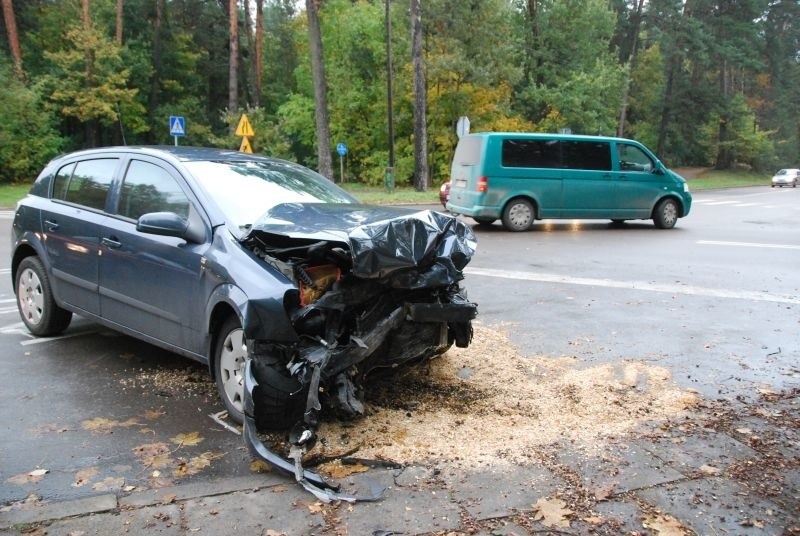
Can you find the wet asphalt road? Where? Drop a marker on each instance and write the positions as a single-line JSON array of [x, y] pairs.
[[715, 300]]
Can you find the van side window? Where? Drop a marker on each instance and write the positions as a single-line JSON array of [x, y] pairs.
[[631, 158], [531, 153], [591, 155]]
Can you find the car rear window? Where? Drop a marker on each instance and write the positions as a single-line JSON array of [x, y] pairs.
[[85, 183], [468, 151]]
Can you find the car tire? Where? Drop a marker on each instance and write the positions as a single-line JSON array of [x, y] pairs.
[[617, 221], [279, 398], [35, 302], [230, 354], [485, 221], [518, 215], [665, 215]]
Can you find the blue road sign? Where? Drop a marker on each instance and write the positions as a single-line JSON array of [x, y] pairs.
[[341, 148], [177, 125]]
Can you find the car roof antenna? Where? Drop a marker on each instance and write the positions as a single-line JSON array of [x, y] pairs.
[[121, 127]]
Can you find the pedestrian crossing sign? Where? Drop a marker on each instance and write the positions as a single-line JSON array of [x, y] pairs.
[[177, 125]]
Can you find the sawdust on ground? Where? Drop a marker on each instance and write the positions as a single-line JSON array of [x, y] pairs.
[[488, 405]]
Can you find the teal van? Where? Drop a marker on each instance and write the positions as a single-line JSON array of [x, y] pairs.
[[519, 178]]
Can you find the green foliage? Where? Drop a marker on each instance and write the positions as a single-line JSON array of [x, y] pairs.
[[27, 136]]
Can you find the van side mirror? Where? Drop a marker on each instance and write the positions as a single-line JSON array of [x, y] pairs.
[[659, 170]]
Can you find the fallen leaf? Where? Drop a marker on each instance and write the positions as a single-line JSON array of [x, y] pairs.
[[604, 492], [101, 425], [336, 469], [28, 478], [83, 476], [315, 508], [746, 431], [709, 470], [168, 499], [259, 466], [665, 525], [279, 489], [270, 532], [187, 440], [153, 414], [552, 513], [594, 520]]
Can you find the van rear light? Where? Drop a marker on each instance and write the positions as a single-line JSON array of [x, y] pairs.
[[483, 184]]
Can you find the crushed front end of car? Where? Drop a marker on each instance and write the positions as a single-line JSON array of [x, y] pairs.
[[375, 288]]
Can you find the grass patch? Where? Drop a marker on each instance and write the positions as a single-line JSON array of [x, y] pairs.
[[378, 195], [11, 193], [727, 179]]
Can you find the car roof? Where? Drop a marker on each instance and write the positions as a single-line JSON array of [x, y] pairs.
[[179, 153], [546, 136]]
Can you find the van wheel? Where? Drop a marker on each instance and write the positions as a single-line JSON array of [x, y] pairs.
[[518, 215], [485, 221], [665, 216]]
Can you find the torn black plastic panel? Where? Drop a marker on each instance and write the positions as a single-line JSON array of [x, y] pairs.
[[375, 288]]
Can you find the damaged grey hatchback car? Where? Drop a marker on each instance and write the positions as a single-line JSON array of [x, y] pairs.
[[290, 290]]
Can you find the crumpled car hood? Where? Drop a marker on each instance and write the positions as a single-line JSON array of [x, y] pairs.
[[382, 240]]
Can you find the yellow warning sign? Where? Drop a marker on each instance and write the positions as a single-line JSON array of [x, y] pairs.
[[245, 147], [245, 128]]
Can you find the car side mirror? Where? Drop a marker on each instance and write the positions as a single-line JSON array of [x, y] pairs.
[[169, 224], [659, 170]]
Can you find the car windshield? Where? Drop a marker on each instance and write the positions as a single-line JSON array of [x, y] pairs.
[[245, 190]]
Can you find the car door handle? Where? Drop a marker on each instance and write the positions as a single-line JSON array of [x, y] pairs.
[[112, 242], [51, 225]]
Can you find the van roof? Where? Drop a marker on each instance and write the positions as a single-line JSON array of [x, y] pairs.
[[548, 136]]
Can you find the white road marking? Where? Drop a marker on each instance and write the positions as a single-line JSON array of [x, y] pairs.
[[688, 290], [41, 340], [747, 205], [7, 310], [714, 203], [746, 244]]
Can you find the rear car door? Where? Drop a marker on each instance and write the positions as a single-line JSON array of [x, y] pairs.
[[151, 284], [588, 180], [71, 224]]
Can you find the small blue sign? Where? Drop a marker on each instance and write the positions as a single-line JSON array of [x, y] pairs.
[[341, 148], [177, 125]]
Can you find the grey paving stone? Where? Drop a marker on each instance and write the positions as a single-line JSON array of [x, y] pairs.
[[494, 493], [717, 506], [623, 517], [412, 476], [287, 509], [163, 520], [687, 454], [620, 469], [58, 510], [203, 489], [404, 512]]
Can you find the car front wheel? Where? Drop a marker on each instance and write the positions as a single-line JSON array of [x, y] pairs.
[[665, 215], [230, 354], [35, 302]]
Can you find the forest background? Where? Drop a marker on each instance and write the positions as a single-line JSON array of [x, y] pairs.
[[713, 83]]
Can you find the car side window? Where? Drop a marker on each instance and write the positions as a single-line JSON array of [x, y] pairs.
[[86, 183], [531, 153], [150, 188], [631, 158]]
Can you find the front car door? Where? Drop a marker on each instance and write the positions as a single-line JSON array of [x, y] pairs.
[[638, 186], [152, 284], [71, 224]]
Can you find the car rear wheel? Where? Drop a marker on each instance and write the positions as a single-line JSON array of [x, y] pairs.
[[35, 302], [518, 215], [230, 354], [665, 216]]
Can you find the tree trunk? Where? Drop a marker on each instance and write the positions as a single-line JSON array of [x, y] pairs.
[[13, 37], [118, 35], [325, 163], [249, 71], [155, 83], [92, 135], [631, 62], [259, 50], [420, 113], [233, 63]]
